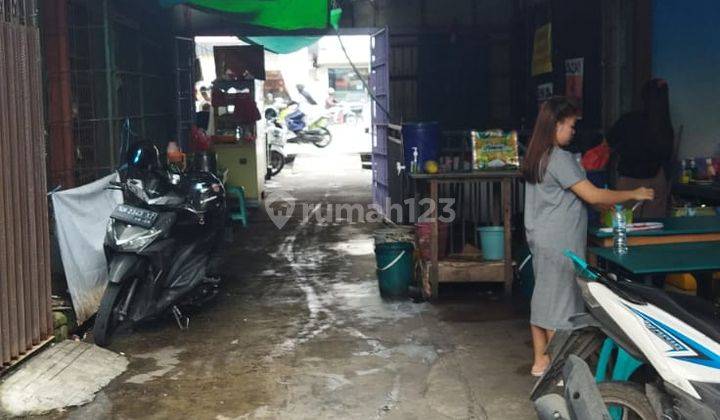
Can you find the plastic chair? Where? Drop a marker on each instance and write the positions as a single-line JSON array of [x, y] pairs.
[[239, 213]]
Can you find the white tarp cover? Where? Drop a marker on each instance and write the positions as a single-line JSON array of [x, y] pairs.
[[81, 218]]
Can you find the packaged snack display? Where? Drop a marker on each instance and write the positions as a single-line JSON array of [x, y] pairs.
[[495, 149]]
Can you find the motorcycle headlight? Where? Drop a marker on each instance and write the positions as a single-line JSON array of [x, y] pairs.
[[128, 238]]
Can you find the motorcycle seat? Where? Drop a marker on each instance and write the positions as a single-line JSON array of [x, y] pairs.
[[694, 311]]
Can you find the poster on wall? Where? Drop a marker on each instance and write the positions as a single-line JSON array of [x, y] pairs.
[[542, 50], [544, 92], [574, 80]]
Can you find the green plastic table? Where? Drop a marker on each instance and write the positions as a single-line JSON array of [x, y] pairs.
[[675, 230], [666, 258]]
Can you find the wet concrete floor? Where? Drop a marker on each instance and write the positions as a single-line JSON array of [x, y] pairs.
[[300, 332]]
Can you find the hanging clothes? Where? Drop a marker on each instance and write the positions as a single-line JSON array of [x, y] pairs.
[[246, 110]]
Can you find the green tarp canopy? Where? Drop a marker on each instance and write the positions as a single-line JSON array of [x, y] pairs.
[[285, 15], [282, 44]]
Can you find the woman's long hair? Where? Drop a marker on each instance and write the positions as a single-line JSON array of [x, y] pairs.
[[660, 131], [544, 135]]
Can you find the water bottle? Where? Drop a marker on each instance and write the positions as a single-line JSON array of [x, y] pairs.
[[684, 175], [693, 170], [414, 163], [619, 231]]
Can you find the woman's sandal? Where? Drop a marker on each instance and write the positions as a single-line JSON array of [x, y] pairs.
[[538, 373]]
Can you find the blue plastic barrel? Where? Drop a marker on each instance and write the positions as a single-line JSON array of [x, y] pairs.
[[426, 137]]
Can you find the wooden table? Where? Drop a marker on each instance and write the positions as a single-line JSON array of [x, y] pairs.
[[470, 271], [676, 230]]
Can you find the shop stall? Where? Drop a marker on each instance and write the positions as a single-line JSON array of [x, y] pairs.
[[468, 266], [237, 135], [465, 189]]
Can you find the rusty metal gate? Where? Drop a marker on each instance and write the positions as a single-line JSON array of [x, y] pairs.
[[25, 307]]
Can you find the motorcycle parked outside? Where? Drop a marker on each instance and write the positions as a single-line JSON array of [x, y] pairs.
[[276, 146], [160, 243], [345, 113], [297, 129], [666, 348]]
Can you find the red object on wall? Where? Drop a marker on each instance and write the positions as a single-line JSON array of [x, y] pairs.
[[596, 158], [199, 140]]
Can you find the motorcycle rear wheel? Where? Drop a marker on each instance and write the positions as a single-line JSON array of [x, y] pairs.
[[326, 138], [277, 162], [106, 320]]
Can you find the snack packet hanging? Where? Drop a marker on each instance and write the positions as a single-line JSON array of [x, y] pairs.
[[495, 149]]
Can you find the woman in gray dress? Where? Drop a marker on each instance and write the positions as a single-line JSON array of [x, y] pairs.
[[556, 192]]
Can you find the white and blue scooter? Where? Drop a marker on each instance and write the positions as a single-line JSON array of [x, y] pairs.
[[659, 352]]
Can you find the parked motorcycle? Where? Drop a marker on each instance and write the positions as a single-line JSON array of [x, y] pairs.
[[159, 243], [581, 399], [668, 348], [345, 113], [276, 146], [294, 121]]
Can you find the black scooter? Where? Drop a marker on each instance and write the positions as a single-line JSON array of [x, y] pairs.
[[159, 245]]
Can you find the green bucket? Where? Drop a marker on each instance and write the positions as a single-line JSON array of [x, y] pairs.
[[394, 267]]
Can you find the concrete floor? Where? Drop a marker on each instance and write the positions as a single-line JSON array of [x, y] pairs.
[[300, 331]]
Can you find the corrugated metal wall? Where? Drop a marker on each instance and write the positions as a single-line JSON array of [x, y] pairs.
[[25, 308]]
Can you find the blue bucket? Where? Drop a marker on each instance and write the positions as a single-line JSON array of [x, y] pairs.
[[492, 242], [426, 137]]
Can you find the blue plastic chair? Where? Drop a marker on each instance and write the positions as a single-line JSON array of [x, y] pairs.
[[239, 213]]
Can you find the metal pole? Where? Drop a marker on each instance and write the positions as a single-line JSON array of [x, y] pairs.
[[108, 81]]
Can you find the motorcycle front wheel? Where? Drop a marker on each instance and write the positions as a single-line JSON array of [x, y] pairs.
[[626, 401], [277, 162], [106, 320], [324, 138]]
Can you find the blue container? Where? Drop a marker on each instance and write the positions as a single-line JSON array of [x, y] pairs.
[[426, 137], [492, 242]]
